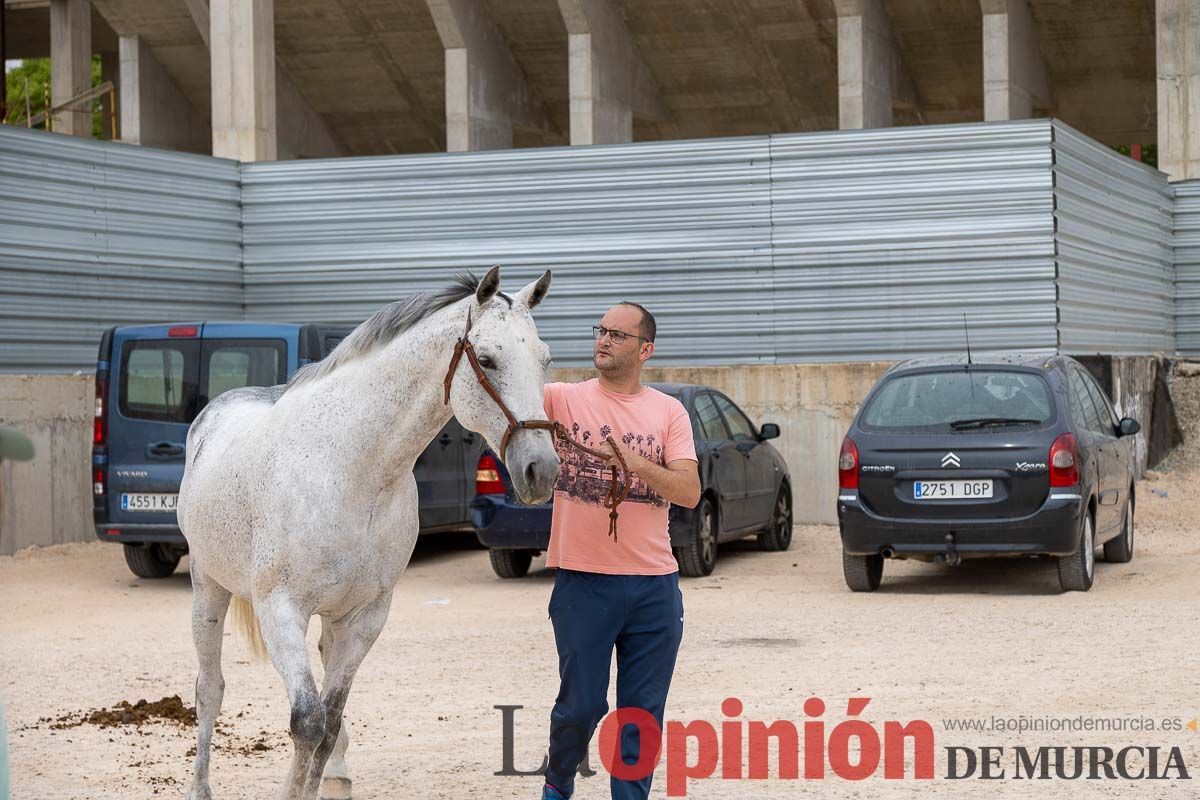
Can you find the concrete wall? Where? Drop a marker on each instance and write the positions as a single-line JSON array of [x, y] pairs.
[[47, 500], [813, 405]]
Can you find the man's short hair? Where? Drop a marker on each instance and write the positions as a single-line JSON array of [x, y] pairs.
[[647, 327]]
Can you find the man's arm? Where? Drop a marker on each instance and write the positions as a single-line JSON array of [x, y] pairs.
[[678, 481]]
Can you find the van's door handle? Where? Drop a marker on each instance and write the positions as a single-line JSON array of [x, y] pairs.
[[165, 449]]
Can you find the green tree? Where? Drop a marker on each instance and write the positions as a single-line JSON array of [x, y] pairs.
[[37, 72]]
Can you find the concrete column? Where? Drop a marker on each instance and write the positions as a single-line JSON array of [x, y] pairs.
[[153, 111], [71, 63], [1014, 73], [242, 48], [866, 62], [609, 81], [302, 132], [1178, 48], [110, 70], [486, 90]]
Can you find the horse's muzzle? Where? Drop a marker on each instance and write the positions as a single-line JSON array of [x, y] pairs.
[[533, 473]]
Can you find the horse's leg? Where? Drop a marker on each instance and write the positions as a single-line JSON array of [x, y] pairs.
[[209, 604], [353, 636], [283, 628], [335, 784]]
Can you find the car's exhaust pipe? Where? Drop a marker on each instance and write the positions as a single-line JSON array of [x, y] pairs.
[[887, 552]]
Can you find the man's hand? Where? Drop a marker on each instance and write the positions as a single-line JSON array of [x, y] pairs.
[[633, 460], [678, 482]]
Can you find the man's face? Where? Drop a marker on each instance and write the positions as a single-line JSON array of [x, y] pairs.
[[610, 356]]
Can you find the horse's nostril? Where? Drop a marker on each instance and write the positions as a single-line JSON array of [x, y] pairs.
[[530, 475]]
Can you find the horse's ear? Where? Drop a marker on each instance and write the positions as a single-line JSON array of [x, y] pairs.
[[532, 294], [488, 286]]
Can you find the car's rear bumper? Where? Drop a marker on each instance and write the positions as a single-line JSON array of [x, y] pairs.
[[506, 525], [1052, 530], [503, 524], [130, 533]]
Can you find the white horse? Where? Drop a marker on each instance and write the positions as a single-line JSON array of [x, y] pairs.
[[299, 500]]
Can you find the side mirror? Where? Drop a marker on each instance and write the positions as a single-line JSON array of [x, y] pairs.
[[770, 431], [1129, 427]]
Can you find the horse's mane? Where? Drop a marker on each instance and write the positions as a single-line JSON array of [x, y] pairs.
[[386, 324]]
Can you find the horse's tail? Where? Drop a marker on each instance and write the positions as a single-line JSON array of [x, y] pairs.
[[245, 621]]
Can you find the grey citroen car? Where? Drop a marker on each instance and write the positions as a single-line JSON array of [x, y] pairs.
[[1016, 455]]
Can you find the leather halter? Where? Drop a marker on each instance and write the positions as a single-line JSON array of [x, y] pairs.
[[618, 490]]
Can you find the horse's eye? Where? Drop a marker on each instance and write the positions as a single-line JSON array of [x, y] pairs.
[[486, 362]]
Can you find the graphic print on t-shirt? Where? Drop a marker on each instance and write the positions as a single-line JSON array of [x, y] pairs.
[[586, 478]]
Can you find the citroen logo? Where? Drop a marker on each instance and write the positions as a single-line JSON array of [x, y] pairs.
[[950, 460]]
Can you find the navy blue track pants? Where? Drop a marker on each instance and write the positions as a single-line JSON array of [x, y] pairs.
[[642, 617]]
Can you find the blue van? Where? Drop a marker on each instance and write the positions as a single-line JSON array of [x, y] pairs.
[[152, 381]]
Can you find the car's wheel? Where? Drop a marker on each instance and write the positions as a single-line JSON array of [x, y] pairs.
[[778, 535], [1120, 549], [150, 560], [698, 557], [1077, 571], [862, 573], [510, 563]]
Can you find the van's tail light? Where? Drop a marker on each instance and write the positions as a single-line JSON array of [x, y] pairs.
[[487, 476], [98, 481], [848, 465], [100, 423], [1064, 461]]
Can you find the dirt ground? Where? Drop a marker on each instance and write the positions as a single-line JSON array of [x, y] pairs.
[[78, 633]]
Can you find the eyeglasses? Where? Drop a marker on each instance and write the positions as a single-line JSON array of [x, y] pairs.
[[617, 337]]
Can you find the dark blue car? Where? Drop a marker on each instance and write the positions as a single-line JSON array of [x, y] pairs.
[[152, 381], [745, 490]]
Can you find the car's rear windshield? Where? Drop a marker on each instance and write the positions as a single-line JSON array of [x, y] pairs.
[[960, 400], [170, 380]]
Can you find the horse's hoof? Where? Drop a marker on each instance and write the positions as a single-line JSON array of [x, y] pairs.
[[200, 793], [335, 788]]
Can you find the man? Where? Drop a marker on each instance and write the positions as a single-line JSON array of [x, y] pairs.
[[14, 446], [620, 591]]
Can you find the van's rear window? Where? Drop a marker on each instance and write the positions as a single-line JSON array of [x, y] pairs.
[[169, 380], [960, 400], [158, 380]]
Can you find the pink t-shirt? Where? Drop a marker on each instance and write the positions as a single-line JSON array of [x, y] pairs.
[[651, 423]]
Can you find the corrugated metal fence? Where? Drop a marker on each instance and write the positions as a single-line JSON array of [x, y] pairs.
[[1116, 279], [684, 227], [836, 246], [848, 245], [94, 234], [1187, 267]]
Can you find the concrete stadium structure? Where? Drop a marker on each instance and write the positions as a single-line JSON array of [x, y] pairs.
[[277, 79]]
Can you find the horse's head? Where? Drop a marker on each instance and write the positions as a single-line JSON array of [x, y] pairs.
[[514, 361]]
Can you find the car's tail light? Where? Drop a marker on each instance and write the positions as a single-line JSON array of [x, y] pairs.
[[487, 476], [100, 422], [98, 481], [1064, 461], [848, 465], [182, 331]]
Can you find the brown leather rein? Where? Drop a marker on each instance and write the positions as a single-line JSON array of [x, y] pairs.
[[618, 490]]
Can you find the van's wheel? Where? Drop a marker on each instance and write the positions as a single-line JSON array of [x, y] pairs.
[[150, 560], [1120, 549], [698, 557], [1077, 571], [862, 573], [510, 563], [778, 535]]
